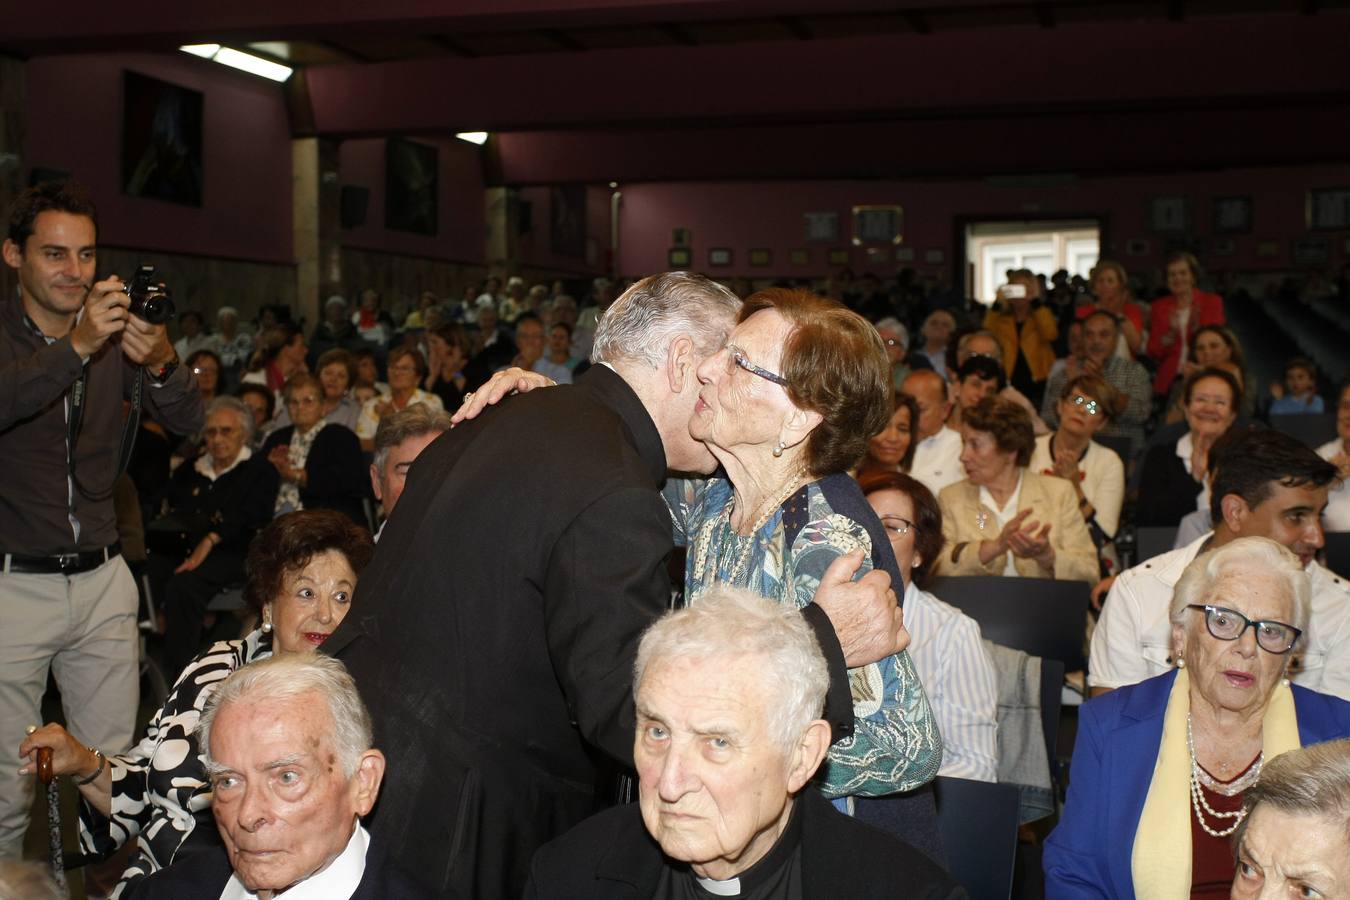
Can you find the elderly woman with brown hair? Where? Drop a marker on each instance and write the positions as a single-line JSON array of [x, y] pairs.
[[786, 409], [1160, 768], [1004, 519], [302, 571], [406, 371]]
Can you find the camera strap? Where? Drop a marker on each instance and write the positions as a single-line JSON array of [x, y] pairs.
[[129, 428]]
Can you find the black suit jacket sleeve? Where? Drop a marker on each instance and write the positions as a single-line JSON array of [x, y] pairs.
[[605, 581]]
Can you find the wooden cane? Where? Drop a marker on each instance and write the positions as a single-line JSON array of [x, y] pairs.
[[58, 856]]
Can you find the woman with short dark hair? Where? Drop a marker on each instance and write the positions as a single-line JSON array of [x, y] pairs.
[[318, 462], [301, 573], [406, 371], [1004, 519]]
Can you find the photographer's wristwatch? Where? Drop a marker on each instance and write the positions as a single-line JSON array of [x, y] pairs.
[[161, 375]]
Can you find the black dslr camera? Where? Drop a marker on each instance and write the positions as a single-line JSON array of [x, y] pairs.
[[150, 299]]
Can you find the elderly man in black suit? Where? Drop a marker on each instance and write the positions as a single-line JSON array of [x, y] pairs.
[[497, 624], [729, 695], [288, 751]]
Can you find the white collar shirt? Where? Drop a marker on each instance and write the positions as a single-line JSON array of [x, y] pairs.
[[1004, 515], [937, 460], [337, 882]]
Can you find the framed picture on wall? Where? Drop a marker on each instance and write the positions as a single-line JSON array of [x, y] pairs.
[[161, 140], [567, 219], [822, 226], [1137, 247], [840, 257], [719, 256], [1268, 249], [800, 257], [904, 254], [761, 257], [1222, 246], [1311, 251], [1232, 215], [679, 237], [934, 256], [1169, 214], [1329, 209], [679, 258], [410, 186], [878, 225]]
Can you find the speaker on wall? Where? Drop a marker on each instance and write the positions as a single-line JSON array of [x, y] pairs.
[[354, 201]]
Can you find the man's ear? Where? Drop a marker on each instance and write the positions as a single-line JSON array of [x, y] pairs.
[[1235, 511], [13, 254], [366, 781], [681, 364], [808, 754], [375, 482]]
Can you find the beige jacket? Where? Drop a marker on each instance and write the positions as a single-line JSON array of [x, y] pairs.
[[1052, 499]]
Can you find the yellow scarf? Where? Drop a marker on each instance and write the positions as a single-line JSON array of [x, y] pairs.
[[1161, 862]]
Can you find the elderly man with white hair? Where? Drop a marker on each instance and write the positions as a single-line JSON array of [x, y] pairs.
[[288, 751], [729, 695]]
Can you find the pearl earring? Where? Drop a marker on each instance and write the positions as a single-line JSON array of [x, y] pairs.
[[266, 625], [778, 450], [1181, 663]]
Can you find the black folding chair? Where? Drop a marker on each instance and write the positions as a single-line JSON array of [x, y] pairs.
[[978, 822], [1044, 617]]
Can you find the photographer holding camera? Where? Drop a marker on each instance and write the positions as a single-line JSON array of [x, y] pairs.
[[1026, 330], [71, 351]]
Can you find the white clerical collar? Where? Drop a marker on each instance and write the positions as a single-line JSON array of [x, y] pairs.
[[337, 882], [729, 888]]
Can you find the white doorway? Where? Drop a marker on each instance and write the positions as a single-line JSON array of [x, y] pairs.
[[1044, 247]]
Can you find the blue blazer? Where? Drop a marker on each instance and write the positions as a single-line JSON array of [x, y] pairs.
[[1089, 853]]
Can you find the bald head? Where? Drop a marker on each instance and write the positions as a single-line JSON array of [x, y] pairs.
[[930, 393]]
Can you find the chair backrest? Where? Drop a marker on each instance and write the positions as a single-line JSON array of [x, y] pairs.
[[1313, 429], [1151, 540], [1052, 697], [978, 822], [1121, 444], [1337, 552], [1044, 617]]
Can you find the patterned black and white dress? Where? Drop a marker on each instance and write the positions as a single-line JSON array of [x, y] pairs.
[[158, 785]]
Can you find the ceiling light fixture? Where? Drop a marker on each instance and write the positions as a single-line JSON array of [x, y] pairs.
[[473, 137], [237, 59]]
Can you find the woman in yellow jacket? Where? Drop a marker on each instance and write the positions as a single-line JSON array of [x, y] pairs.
[[1027, 331]]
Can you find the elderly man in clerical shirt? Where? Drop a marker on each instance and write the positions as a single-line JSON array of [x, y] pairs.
[[729, 696], [287, 748]]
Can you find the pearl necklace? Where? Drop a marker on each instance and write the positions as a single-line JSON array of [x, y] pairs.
[[1199, 776], [743, 557]]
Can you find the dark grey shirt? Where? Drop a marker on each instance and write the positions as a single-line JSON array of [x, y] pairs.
[[40, 514]]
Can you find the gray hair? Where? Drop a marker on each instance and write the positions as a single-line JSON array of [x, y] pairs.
[[291, 676], [239, 408], [21, 880], [1309, 781], [642, 323], [728, 621], [891, 323], [1197, 582], [962, 344], [414, 420]]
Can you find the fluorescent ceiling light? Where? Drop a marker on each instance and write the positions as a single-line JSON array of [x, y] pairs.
[[473, 137], [247, 62]]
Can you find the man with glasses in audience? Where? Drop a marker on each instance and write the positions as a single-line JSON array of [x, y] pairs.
[[1266, 484], [1134, 388]]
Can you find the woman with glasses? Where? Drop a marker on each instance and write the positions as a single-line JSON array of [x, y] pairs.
[[946, 646], [1005, 518], [1160, 768], [406, 371], [213, 507], [318, 461], [1095, 472], [786, 409]]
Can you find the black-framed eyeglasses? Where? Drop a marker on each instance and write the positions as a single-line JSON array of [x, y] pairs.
[[1229, 625], [1092, 407], [736, 357], [899, 525]]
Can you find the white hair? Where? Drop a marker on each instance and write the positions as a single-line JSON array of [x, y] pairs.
[[1308, 781], [239, 408], [642, 323], [293, 676], [1196, 585], [891, 323], [729, 621]]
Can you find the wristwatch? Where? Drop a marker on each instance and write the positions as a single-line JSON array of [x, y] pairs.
[[161, 375]]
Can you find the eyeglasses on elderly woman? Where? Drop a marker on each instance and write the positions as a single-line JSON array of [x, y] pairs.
[[1229, 625], [736, 357], [1092, 407]]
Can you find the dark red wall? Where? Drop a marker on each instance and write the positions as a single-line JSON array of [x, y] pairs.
[[74, 122]]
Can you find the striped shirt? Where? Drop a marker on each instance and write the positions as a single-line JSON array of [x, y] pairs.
[[958, 677]]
